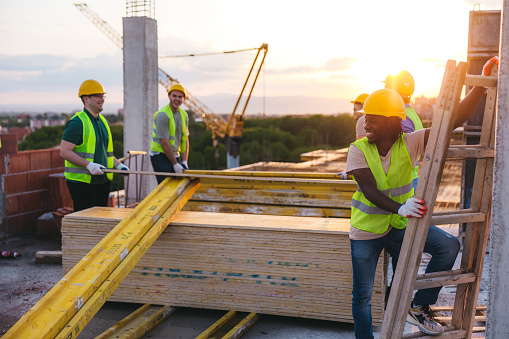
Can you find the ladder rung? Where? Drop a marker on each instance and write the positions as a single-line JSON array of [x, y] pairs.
[[481, 80], [457, 217], [470, 151], [448, 332], [449, 318], [437, 279]]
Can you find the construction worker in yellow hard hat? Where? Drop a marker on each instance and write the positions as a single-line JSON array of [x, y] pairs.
[[358, 104], [382, 164], [87, 148], [404, 84], [169, 149]]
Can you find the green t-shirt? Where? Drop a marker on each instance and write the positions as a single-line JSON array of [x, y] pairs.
[[73, 133]]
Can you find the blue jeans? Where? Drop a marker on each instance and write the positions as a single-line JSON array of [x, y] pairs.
[[442, 246]]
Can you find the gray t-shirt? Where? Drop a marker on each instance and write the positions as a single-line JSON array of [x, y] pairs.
[[163, 129]]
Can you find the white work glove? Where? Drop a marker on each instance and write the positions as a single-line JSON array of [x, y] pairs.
[[413, 207], [184, 165], [486, 70], [343, 175], [122, 167], [178, 168], [95, 169]]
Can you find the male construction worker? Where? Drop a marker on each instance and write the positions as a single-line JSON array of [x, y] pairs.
[[382, 164], [170, 138], [87, 148], [358, 103], [403, 83]]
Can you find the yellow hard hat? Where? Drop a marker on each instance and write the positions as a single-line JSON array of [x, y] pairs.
[[385, 102], [177, 87], [89, 87], [361, 98], [403, 83]]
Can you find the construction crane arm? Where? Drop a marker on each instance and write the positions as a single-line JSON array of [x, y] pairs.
[[211, 120]]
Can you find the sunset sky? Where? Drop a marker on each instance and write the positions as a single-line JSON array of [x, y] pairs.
[[331, 50]]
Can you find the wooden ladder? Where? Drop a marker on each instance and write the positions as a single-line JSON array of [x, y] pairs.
[[468, 277]]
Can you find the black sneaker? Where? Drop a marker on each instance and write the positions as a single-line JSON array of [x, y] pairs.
[[422, 317]]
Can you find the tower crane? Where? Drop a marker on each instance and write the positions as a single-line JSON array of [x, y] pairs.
[[231, 131]]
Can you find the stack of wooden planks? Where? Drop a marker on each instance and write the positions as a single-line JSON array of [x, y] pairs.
[[282, 265], [264, 195]]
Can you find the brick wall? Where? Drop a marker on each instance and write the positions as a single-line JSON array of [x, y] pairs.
[[25, 184]]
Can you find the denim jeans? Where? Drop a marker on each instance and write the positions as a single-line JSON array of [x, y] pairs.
[[161, 163], [442, 246]]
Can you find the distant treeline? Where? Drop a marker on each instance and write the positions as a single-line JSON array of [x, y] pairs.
[[270, 139]]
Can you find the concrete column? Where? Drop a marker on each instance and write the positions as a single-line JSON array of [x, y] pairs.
[[498, 300], [140, 99]]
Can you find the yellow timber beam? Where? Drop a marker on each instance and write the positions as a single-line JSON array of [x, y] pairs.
[[70, 304], [138, 323]]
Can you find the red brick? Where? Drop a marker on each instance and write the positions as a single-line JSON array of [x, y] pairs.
[[38, 180], [9, 143], [3, 157], [40, 159], [33, 201], [23, 223], [12, 204], [15, 183], [19, 162], [56, 160], [47, 226]]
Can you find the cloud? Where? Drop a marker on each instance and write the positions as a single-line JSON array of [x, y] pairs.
[[434, 62], [42, 73], [339, 64], [34, 62]]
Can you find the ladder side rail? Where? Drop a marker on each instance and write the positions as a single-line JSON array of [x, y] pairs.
[[476, 237], [417, 229]]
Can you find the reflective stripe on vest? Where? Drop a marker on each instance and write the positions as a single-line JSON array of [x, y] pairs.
[[397, 185], [412, 115], [156, 145], [87, 149]]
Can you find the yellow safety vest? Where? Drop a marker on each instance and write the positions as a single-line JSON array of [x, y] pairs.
[[155, 146], [87, 149], [397, 185], [412, 115]]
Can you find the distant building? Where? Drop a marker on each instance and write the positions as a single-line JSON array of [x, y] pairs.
[[46, 119], [425, 107]]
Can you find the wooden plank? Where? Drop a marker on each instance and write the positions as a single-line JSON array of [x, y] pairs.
[[445, 278], [481, 80], [293, 266], [477, 233], [138, 323], [446, 217], [48, 257], [470, 151]]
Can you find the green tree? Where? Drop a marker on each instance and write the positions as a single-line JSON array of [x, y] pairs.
[[44, 137]]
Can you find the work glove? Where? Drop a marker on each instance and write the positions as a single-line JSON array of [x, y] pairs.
[[95, 169], [178, 168], [343, 175], [184, 165], [122, 167], [413, 207], [486, 70]]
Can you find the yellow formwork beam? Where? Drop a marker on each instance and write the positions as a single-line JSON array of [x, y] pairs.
[[87, 312], [138, 323], [52, 313]]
